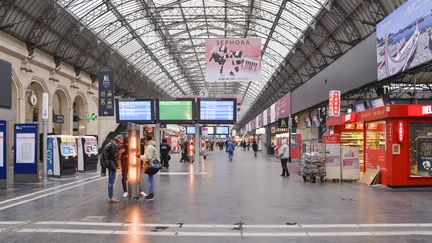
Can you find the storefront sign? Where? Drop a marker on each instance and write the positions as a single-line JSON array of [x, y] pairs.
[[331, 139], [349, 118], [427, 110], [106, 93], [283, 123], [400, 131], [334, 102]]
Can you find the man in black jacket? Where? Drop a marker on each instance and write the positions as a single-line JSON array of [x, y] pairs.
[[109, 160], [165, 148]]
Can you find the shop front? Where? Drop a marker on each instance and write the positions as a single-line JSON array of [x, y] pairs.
[[395, 139], [281, 134]]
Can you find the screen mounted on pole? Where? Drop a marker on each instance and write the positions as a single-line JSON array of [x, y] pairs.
[[222, 130], [217, 111], [139, 111], [175, 111]]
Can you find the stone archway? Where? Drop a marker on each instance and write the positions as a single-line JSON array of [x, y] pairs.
[[33, 103], [79, 116], [60, 110]]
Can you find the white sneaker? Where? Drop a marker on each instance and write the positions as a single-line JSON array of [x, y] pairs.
[[143, 194], [125, 195]]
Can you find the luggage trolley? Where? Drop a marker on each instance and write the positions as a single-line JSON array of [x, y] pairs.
[[312, 166]]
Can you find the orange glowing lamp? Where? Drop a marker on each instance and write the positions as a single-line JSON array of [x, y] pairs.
[[134, 156]]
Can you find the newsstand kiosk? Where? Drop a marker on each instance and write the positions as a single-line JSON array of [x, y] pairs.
[[62, 156], [87, 153], [395, 139]]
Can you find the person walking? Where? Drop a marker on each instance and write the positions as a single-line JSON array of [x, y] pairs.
[[244, 145], [109, 161], [284, 155], [255, 147], [230, 149], [165, 148], [149, 154]]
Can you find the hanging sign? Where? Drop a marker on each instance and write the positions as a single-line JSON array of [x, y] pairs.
[[106, 93], [334, 102], [233, 59]]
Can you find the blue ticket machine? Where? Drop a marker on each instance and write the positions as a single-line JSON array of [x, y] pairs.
[[3, 154], [62, 157], [26, 153], [87, 153]]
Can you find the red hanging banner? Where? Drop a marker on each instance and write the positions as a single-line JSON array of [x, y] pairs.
[[334, 103]]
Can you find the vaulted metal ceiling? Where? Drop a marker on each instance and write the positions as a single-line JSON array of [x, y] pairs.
[[156, 47]]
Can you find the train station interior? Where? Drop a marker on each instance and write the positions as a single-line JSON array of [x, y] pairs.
[[215, 120]]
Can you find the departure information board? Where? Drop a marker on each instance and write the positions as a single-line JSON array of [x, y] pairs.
[[176, 111], [217, 111], [222, 130], [138, 111]]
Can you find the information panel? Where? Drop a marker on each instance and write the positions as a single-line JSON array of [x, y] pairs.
[[3, 149], [25, 153], [190, 130], [221, 111], [106, 93], [222, 130], [137, 111], [176, 111]]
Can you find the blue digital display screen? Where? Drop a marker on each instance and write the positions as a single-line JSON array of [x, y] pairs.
[[217, 110], [134, 110], [66, 150], [222, 130], [190, 130]]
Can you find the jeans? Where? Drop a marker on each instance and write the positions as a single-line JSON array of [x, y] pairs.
[[230, 155], [111, 182], [285, 171], [151, 185]]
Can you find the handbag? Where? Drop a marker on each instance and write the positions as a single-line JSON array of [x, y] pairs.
[[153, 167]]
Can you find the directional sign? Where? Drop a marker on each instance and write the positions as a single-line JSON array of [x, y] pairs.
[[106, 93]]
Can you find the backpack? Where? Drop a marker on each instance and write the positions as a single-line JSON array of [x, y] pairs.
[[108, 157]]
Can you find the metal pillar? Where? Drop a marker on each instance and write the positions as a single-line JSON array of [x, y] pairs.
[[197, 143], [157, 139], [134, 147]]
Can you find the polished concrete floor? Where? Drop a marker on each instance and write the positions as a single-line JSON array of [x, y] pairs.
[[216, 201]]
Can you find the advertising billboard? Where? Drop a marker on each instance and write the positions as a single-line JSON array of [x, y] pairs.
[[136, 111], [233, 59], [217, 111], [334, 102], [403, 38], [284, 106], [175, 111]]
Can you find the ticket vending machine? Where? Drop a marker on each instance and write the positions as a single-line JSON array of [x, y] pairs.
[[87, 153], [61, 155]]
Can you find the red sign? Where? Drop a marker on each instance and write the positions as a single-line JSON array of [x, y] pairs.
[[349, 118], [400, 131], [331, 139], [420, 110], [334, 102]]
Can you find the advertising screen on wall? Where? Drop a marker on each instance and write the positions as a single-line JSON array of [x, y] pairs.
[[222, 130], [217, 111], [403, 38], [6, 84], [284, 106], [175, 111], [233, 59], [139, 111]]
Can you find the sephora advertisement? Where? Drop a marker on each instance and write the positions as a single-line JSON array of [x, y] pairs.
[[233, 59], [404, 38]]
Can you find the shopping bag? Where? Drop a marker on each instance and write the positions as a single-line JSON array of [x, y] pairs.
[[153, 167]]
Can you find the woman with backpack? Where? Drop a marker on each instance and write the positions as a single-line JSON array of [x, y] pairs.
[[109, 160]]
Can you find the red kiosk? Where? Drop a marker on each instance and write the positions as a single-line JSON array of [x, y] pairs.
[[395, 139]]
